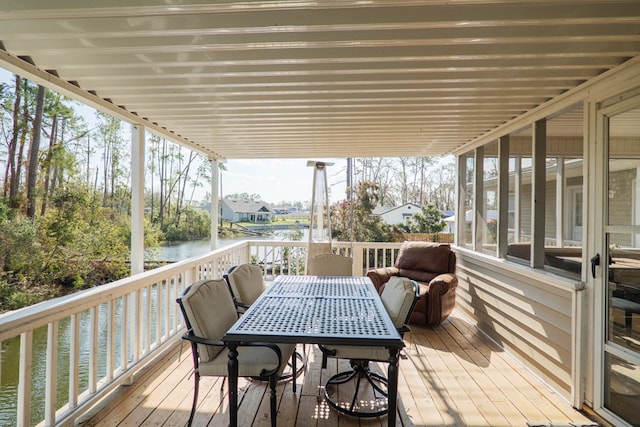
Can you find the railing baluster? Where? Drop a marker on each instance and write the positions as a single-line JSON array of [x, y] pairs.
[[51, 385], [124, 333], [138, 325], [161, 297], [111, 327], [147, 318], [74, 360], [93, 349], [24, 379]]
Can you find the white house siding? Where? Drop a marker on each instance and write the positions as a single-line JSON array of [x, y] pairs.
[[522, 312], [399, 215]]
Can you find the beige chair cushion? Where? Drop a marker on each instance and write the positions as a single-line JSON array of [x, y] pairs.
[[211, 311], [246, 283], [375, 354], [330, 265], [397, 297], [251, 361]]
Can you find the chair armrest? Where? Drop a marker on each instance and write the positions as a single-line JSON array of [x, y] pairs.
[[241, 308], [380, 276], [404, 329], [273, 347], [217, 343], [204, 341], [443, 283]]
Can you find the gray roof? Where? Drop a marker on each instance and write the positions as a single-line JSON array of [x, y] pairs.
[[247, 206]]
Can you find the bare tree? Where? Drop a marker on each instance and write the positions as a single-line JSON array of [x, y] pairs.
[[10, 179], [34, 151], [112, 156]]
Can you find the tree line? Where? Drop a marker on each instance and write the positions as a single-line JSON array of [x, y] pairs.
[[417, 180], [65, 195]]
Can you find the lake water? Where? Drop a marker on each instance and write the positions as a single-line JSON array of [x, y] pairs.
[[184, 250]]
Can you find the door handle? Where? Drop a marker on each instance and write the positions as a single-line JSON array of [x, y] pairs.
[[595, 260]]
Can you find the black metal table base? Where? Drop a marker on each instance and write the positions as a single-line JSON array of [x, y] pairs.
[[363, 378]]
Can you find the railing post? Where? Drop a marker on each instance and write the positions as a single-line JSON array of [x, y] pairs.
[[358, 260]]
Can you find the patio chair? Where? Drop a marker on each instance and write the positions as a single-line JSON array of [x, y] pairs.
[[246, 284], [209, 312], [330, 265], [399, 298], [433, 266]]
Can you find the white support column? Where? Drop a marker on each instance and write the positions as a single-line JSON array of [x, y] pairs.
[[636, 201], [503, 196], [479, 209], [517, 203], [137, 198], [560, 202], [215, 180], [539, 179], [461, 176]]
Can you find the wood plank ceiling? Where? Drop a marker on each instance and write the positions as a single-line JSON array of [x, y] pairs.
[[323, 78]]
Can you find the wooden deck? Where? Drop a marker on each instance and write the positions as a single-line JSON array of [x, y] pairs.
[[449, 376]]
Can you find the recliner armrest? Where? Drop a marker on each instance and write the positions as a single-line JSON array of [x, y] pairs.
[[380, 276], [443, 283], [442, 298]]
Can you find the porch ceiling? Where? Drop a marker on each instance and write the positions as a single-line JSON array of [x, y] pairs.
[[306, 79]]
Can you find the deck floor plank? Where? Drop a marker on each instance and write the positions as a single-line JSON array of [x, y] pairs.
[[451, 375], [530, 395], [488, 385], [515, 389]]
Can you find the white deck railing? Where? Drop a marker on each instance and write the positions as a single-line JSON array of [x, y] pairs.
[[76, 349]]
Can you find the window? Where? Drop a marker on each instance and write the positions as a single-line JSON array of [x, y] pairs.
[[557, 181]]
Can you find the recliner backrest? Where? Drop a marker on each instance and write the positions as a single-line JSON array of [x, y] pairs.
[[423, 261]]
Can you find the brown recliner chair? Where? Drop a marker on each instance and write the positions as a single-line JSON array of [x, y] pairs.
[[433, 266]]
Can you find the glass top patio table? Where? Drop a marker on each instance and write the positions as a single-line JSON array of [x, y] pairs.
[[317, 310]]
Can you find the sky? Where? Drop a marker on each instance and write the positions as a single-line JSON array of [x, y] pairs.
[[275, 180]]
